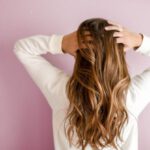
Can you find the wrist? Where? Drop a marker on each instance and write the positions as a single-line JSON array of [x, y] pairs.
[[139, 40], [64, 44]]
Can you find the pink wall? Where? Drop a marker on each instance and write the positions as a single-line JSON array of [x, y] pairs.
[[25, 117]]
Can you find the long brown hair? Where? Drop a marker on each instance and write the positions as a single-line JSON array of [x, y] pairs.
[[97, 88]]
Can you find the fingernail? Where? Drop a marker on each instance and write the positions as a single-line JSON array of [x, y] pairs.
[[106, 28]]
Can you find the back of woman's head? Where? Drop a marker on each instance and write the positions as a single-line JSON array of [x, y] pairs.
[[98, 86]]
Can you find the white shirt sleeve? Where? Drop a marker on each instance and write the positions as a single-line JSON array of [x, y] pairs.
[[138, 96], [50, 79]]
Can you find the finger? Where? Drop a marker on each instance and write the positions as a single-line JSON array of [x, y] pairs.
[[118, 34], [120, 40], [113, 28], [114, 23]]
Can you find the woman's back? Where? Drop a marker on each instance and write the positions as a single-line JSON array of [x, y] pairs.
[[52, 83]]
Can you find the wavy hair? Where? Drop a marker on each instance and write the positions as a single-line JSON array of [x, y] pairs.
[[97, 88]]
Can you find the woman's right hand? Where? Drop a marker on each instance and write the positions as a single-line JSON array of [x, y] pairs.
[[70, 44], [124, 36]]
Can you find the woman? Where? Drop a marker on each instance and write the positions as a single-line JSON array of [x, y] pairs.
[[99, 101]]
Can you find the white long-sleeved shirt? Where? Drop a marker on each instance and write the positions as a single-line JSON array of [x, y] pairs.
[[52, 83]]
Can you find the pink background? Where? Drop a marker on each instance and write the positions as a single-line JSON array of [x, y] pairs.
[[25, 117]]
